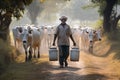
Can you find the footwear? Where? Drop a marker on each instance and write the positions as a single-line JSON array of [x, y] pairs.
[[61, 66], [66, 64]]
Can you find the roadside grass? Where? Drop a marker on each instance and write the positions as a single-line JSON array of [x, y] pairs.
[[14, 67], [33, 70], [114, 39], [7, 55], [109, 49]]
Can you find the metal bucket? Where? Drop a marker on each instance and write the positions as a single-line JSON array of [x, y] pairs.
[[74, 54], [53, 54]]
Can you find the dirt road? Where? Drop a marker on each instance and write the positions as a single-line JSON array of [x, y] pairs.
[[89, 67]]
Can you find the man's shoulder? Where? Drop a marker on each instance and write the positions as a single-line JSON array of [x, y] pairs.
[[67, 25], [59, 26]]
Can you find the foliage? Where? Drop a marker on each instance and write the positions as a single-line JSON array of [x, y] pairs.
[[102, 4], [9, 9], [13, 7], [98, 23], [108, 9]]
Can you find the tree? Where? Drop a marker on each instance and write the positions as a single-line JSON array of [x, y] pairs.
[[9, 9], [106, 9]]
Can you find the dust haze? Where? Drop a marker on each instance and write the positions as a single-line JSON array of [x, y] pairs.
[[48, 12]]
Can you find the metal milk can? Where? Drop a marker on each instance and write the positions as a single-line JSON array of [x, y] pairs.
[[74, 54], [53, 54]]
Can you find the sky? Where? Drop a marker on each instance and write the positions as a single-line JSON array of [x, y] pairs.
[[49, 12]]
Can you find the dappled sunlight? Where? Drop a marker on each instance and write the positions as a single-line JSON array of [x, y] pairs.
[[20, 59], [11, 38]]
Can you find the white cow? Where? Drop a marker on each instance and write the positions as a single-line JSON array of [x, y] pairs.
[[32, 37], [76, 36], [93, 36], [49, 35], [98, 35], [84, 38], [17, 35]]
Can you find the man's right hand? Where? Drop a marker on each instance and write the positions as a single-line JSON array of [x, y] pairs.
[[53, 43], [74, 43]]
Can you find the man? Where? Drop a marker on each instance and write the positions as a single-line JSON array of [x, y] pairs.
[[63, 32]]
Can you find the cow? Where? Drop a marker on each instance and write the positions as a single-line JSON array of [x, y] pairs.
[[93, 36], [97, 36], [17, 35], [76, 35], [32, 37], [88, 37], [83, 38], [49, 35]]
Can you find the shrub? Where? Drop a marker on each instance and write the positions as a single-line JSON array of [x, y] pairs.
[[7, 55]]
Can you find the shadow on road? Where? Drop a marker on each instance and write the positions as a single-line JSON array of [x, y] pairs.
[[74, 76], [65, 68]]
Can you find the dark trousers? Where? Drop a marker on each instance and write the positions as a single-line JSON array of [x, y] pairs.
[[63, 54]]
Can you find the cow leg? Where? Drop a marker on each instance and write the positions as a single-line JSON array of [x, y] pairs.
[[91, 50], [26, 59], [39, 52], [30, 53], [15, 43], [48, 43], [34, 53]]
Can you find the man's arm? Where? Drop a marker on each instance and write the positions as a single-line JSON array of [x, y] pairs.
[[70, 32], [72, 40]]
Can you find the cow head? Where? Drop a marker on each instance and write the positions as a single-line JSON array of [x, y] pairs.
[[27, 37], [91, 34], [98, 32]]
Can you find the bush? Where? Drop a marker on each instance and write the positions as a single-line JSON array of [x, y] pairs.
[[7, 55]]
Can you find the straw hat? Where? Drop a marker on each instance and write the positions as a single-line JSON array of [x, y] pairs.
[[63, 18]]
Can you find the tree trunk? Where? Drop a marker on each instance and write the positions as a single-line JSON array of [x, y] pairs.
[[107, 14], [5, 21], [116, 22]]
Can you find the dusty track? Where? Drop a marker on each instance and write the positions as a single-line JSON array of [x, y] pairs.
[[88, 68]]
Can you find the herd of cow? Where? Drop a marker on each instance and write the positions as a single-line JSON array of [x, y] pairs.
[[31, 37]]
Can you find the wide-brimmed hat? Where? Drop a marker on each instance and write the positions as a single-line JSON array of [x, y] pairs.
[[63, 18]]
